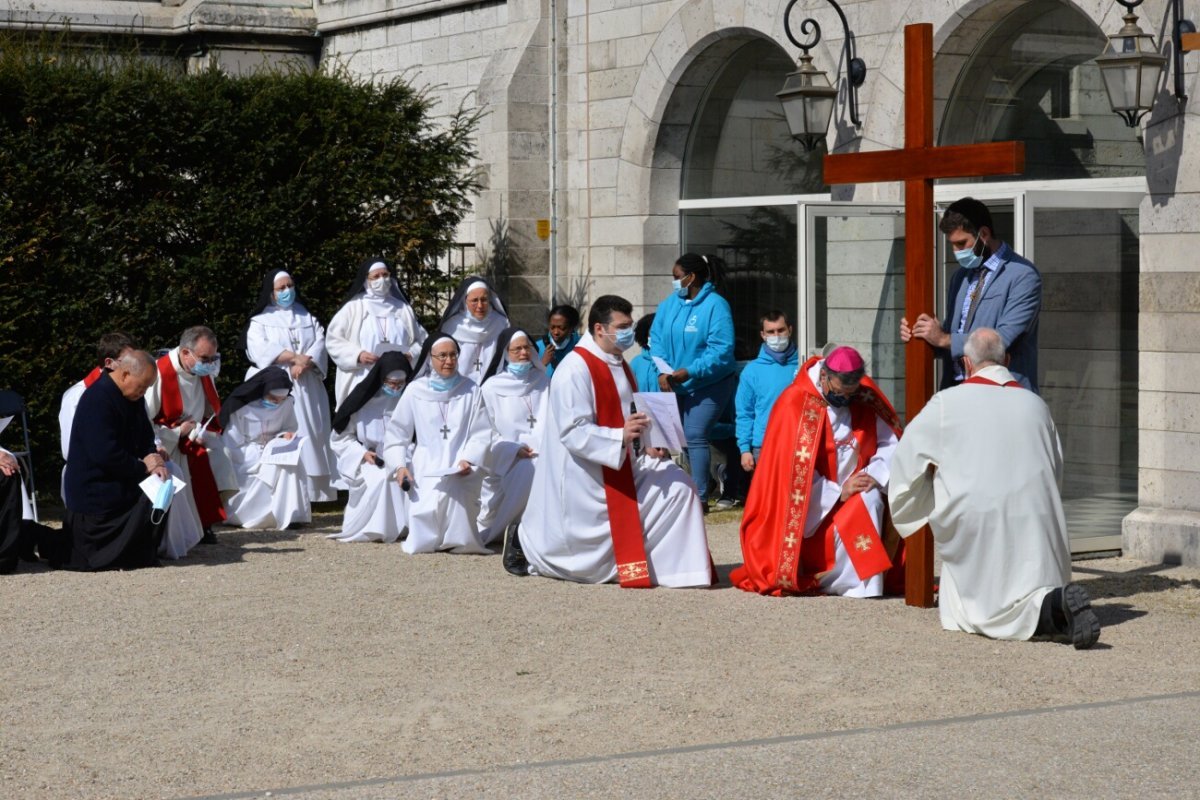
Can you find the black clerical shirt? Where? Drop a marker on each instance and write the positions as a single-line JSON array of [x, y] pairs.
[[109, 438]]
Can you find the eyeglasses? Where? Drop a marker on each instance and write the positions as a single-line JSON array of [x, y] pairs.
[[521, 348], [445, 357], [214, 358]]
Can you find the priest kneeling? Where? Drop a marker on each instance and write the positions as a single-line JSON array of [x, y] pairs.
[[982, 465], [598, 510], [815, 517], [108, 516]]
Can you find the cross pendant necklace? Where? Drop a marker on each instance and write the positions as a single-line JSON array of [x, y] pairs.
[[445, 429], [294, 338], [381, 324], [478, 363], [531, 419]]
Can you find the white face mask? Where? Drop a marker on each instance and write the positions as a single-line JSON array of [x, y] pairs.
[[778, 343], [377, 287]]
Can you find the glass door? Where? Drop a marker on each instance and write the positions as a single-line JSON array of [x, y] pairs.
[[851, 285], [1085, 244]]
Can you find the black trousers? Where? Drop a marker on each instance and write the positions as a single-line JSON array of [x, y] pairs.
[[122, 540], [10, 522]]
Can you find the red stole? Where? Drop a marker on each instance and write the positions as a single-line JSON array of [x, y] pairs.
[[204, 485], [979, 379], [92, 376], [620, 493], [798, 444]]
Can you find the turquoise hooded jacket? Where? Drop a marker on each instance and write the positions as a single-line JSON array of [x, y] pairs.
[[696, 335]]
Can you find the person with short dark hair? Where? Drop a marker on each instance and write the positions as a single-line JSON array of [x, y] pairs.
[[982, 465], [603, 507], [761, 383], [993, 287], [108, 516], [562, 334], [645, 371], [108, 349], [693, 334]]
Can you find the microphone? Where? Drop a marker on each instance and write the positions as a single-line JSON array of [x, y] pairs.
[[637, 443]]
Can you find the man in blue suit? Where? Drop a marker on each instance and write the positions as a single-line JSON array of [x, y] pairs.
[[992, 288]]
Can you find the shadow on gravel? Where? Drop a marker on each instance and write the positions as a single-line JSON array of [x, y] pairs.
[[1127, 583], [233, 545], [1111, 614]]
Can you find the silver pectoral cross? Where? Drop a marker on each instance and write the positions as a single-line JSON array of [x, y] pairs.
[[445, 431]]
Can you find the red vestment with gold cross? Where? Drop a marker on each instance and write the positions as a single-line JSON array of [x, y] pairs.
[[797, 446]]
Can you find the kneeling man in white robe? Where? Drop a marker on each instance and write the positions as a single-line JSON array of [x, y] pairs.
[[982, 465], [598, 510]]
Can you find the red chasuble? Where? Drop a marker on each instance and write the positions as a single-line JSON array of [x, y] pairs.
[[797, 445], [204, 485], [620, 493]]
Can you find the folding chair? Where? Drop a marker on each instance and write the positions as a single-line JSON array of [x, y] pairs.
[[13, 405]]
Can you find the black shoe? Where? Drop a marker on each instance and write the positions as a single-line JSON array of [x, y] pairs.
[[209, 537], [514, 556], [1083, 626]]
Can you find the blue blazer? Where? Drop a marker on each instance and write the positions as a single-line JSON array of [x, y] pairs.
[[1011, 303]]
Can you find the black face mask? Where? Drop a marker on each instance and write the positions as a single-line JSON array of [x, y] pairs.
[[836, 400]]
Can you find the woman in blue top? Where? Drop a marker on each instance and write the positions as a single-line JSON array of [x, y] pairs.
[[562, 324], [644, 370], [693, 333]]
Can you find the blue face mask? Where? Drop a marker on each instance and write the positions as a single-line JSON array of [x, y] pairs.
[[679, 288], [623, 338], [162, 501], [285, 297], [520, 368], [967, 259], [202, 369], [441, 384], [390, 392], [266, 403]]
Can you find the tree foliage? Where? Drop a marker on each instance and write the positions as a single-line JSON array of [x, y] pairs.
[[135, 197]]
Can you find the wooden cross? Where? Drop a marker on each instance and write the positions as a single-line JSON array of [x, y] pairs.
[[918, 164], [445, 431]]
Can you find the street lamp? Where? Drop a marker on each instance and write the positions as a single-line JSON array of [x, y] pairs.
[[807, 95], [1132, 66]]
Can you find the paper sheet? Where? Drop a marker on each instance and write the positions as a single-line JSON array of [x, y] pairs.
[[4, 423], [284, 452], [666, 428], [153, 483], [663, 367]]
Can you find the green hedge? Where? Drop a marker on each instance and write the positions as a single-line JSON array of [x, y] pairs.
[[135, 197]]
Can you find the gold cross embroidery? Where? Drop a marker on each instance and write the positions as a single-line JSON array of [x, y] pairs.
[[863, 542], [797, 497], [790, 539], [803, 453]]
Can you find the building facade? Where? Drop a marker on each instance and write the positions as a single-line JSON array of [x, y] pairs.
[[620, 133]]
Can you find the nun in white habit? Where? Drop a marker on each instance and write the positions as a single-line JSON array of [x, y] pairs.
[[378, 508], [513, 399], [283, 333], [376, 319], [437, 440], [475, 318], [259, 422]]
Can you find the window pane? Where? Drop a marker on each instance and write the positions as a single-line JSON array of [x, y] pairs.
[[740, 144], [758, 246]]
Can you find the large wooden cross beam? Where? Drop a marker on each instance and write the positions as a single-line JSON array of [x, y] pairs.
[[918, 165]]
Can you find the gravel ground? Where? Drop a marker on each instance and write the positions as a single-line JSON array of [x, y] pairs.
[[281, 659]]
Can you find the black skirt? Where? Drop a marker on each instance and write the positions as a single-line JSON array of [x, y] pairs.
[[121, 540]]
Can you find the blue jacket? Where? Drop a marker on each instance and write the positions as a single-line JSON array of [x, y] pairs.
[[1011, 303], [644, 372], [762, 381], [696, 335], [559, 355]]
